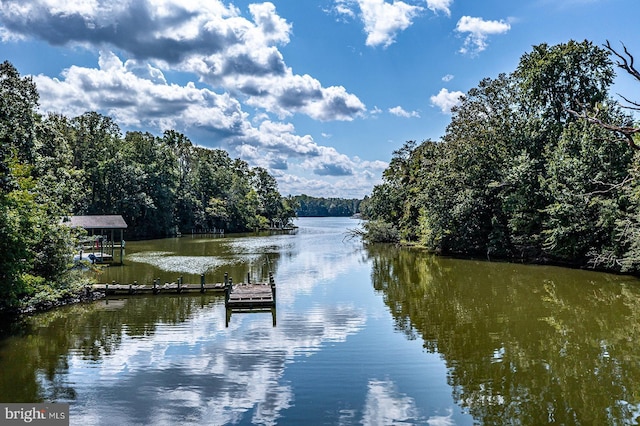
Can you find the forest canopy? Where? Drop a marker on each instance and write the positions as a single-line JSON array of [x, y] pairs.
[[53, 166], [520, 173]]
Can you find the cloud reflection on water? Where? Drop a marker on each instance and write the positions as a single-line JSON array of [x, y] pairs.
[[199, 371]]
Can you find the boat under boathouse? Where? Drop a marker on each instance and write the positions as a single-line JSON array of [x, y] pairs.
[[100, 244]]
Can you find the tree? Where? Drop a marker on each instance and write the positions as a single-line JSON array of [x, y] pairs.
[[517, 175], [564, 77], [54, 166], [58, 180], [95, 145], [34, 249], [269, 199], [18, 101], [593, 114]]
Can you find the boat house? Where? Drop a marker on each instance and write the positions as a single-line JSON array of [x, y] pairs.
[[102, 230]]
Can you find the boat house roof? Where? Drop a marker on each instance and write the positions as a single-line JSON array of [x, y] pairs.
[[114, 221]]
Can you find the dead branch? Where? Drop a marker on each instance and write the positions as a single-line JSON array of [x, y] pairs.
[[626, 63], [611, 186], [626, 131]]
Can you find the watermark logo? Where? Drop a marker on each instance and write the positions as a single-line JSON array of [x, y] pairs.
[[34, 414]]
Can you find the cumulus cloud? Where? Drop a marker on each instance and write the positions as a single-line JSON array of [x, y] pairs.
[[161, 29], [364, 175], [400, 112], [139, 96], [447, 78], [478, 31], [236, 64], [446, 100], [204, 37], [382, 21], [440, 6]]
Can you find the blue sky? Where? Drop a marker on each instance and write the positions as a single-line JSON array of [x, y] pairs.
[[318, 92]]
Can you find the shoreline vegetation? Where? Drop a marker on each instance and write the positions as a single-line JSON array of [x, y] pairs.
[[539, 165], [54, 166]]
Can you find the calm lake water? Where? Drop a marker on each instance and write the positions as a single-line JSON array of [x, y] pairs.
[[373, 336]]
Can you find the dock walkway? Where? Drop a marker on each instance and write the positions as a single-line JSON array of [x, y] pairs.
[[243, 296], [156, 288], [250, 296]]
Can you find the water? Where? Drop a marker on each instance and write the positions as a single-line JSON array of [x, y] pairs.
[[376, 336]]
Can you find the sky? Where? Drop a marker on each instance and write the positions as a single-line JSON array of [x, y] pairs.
[[318, 92]]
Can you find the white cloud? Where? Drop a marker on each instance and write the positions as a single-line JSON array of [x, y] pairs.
[[344, 9], [382, 21], [375, 111], [242, 89], [447, 78], [205, 37], [440, 5], [139, 96], [365, 174], [478, 30], [400, 112], [446, 100], [117, 90]]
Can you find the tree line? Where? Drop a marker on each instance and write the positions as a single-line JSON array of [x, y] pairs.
[[525, 170], [324, 207], [52, 166]]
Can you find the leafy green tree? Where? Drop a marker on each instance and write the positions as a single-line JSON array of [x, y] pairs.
[[18, 101], [54, 166], [149, 195], [517, 175], [59, 182], [95, 146], [557, 79], [269, 199]]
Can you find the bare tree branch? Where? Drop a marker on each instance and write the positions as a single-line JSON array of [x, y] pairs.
[[625, 63], [626, 131], [635, 105], [611, 186]]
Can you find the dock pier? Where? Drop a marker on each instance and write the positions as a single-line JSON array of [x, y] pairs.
[[244, 295]]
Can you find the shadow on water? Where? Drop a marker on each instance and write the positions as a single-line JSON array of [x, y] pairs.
[[522, 344]]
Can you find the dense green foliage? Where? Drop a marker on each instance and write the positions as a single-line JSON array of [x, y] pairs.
[[55, 166], [322, 207], [517, 175]]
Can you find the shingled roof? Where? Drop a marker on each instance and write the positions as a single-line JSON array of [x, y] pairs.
[[114, 221]]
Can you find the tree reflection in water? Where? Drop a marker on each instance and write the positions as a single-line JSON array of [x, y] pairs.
[[523, 344]]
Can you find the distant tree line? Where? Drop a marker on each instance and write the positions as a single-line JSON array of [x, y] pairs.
[[52, 166], [324, 207], [535, 165]]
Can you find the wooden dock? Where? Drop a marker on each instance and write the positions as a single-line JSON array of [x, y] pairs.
[[156, 288], [251, 296], [243, 296]]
